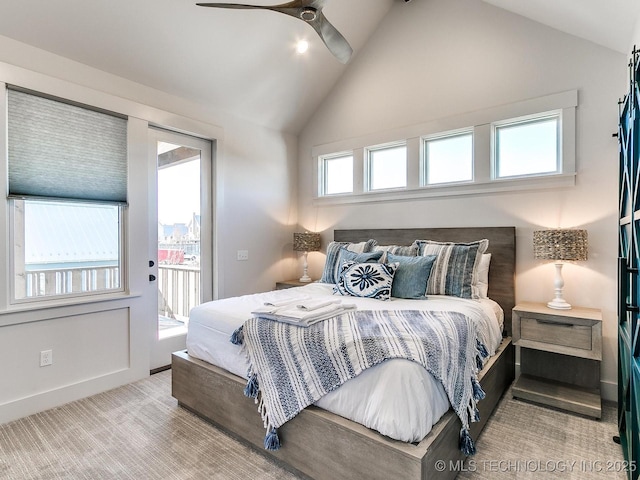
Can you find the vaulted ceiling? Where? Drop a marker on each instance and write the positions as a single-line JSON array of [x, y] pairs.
[[610, 23], [244, 61]]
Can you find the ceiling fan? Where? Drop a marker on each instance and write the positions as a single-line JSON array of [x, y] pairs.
[[309, 11]]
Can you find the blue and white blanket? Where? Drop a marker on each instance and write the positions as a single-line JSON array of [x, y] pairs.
[[293, 367]]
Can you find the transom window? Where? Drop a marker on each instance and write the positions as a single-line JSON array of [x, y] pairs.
[[387, 167], [527, 147], [448, 159], [337, 174], [524, 145]]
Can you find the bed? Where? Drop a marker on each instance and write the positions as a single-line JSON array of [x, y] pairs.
[[322, 444]]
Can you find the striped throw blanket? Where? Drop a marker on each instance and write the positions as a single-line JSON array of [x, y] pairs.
[[293, 367]]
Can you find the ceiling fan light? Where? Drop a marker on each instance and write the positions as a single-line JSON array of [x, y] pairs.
[[302, 46]]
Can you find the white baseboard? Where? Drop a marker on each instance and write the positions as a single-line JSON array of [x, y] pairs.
[[42, 401]]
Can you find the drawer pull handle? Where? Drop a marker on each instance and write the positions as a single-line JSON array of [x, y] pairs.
[[551, 322], [632, 308]]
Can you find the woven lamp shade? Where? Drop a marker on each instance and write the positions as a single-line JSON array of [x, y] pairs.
[[560, 244], [306, 242]]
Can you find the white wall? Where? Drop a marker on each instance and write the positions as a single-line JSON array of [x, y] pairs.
[[635, 41], [432, 60], [259, 209], [102, 345]]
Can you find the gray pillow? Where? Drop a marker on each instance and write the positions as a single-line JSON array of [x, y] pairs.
[[412, 275], [406, 251]]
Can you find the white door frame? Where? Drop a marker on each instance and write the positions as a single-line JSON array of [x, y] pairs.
[[160, 350]]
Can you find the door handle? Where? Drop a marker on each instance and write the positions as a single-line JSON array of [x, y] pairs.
[[151, 263], [152, 278]]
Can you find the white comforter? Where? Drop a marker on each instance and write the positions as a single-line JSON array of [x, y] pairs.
[[398, 398]]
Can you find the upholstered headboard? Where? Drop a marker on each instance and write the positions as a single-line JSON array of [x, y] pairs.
[[502, 246]]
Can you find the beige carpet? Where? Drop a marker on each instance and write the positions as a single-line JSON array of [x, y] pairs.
[[138, 432], [522, 440], [133, 432]]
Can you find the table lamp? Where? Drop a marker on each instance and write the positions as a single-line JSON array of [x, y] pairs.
[[560, 245], [306, 242]]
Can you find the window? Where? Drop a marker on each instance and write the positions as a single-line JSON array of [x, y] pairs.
[[68, 248], [387, 167], [337, 174], [527, 147], [448, 159], [67, 190], [523, 145]]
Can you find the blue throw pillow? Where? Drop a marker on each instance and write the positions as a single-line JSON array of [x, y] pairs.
[[347, 255], [411, 278], [369, 280]]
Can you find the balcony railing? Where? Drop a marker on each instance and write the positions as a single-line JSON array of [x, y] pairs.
[[178, 285], [61, 281], [178, 290]]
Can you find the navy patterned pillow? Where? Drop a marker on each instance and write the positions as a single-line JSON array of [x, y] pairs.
[[369, 280], [331, 265], [344, 255]]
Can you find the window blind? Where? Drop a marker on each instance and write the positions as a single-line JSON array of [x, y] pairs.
[[65, 151]]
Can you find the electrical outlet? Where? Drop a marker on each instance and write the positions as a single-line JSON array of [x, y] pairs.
[[243, 255], [46, 358]]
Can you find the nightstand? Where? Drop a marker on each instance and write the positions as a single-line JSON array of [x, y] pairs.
[[290, 284], [560, 355]]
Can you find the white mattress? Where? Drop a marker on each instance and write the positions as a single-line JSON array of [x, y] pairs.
[[398, 398]]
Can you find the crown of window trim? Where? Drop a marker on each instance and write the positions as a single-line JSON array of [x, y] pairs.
[[55, 98], [11, 196]]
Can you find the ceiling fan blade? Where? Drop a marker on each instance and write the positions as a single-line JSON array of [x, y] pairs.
[[309, 11], [317, 4], [229, 5], [332, 38], [290, 8]]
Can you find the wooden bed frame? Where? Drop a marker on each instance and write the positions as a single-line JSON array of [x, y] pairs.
[[320, 445]]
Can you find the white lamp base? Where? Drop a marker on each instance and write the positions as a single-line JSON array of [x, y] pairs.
[[558, 302], [305, 278]]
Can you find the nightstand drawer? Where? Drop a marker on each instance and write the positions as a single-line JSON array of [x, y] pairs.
[[576, 332], [556, 333]]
